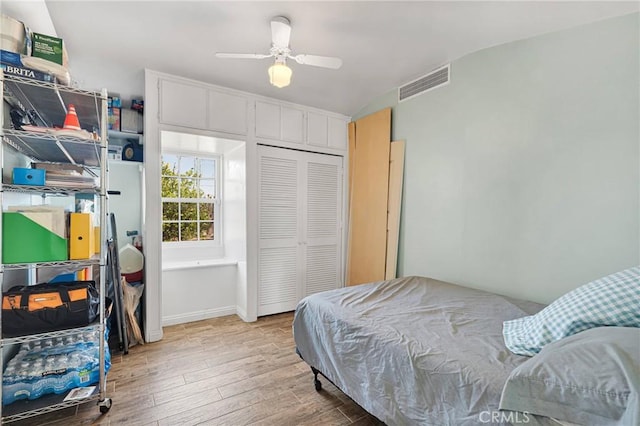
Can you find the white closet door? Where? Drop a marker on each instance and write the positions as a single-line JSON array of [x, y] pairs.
[[322, 223], [278, 231]]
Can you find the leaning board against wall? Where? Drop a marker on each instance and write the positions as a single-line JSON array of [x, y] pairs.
[[374, 198]]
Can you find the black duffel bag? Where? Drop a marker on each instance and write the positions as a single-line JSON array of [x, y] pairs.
[[48, 307]]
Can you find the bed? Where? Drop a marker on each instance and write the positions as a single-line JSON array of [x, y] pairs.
[[415, 350]]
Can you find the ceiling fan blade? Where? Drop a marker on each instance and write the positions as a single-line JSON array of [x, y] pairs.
[[318, 61], [242, 55], [280, 31]]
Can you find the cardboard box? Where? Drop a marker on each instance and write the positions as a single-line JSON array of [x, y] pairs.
[[113, 118], [81, 234], [26, 241], [114, 152], [130, 121], [97, 242], [24, 72], [33, 177], [47, 47], [14, 36]]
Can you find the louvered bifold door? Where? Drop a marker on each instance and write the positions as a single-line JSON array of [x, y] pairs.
[[278, 231], [322, 265]]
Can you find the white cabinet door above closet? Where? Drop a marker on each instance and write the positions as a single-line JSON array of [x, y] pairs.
[[197, 107], [183, 104], [278, 122], [337, 133], [316, 129], [299, 226], [227, 112], [292, 125], [267, 120]]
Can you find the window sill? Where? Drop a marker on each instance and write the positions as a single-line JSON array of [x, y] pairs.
[[191, 264]]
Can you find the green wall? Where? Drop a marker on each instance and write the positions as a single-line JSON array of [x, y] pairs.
[[522, 176]]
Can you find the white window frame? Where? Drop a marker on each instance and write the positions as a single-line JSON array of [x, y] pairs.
[[217, 203]]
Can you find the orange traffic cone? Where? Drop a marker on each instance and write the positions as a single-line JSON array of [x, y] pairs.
[[71, 120]]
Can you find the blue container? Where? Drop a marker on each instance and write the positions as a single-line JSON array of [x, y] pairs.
[[23, 176]]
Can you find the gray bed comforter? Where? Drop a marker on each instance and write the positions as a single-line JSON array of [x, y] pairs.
[[413, 350]]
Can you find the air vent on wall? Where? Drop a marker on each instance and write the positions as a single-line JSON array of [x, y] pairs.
[[434, 79]]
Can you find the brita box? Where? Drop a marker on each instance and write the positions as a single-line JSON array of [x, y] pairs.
[[47, 47]]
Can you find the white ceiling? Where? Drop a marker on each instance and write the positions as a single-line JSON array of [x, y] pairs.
[[382, 44]]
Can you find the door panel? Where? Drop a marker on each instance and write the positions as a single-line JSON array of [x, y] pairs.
[[278, 233], [369, 194], [278, 280], [323, 213]]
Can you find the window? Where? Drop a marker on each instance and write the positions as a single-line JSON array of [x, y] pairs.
[[190, 198]]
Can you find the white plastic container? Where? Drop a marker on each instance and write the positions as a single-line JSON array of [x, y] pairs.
[[12, 35], [131, 259]]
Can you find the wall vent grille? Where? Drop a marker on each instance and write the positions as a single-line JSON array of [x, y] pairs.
[[434, 79]]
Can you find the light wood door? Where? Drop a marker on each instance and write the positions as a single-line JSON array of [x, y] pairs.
[[396, 170], [368, 199], [299, 226]]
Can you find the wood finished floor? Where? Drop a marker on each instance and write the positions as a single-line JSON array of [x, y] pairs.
[[221, 371]]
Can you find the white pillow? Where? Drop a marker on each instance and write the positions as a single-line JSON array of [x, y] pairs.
[[613, 300], [590, 378]]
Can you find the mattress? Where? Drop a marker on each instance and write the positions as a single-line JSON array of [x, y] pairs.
[[414, 350]]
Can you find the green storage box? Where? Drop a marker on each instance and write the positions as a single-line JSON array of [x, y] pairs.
[[26, 241], [47, 47]]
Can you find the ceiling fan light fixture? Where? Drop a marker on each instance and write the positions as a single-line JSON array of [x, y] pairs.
[[280, 75]]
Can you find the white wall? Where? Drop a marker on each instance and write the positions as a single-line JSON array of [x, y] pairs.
[[126, 177], [522, 176], [192, 294]]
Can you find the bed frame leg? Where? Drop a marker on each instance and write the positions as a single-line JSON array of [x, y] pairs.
[[316, 382]]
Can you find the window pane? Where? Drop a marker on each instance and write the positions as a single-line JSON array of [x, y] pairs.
[[169, 187], [187, 166], [206, 211], [188, 211], [208, 188], [188, 188], [169, 211], [169, 231], [206, 230], [208, 169], [189, 231], [169, 165]]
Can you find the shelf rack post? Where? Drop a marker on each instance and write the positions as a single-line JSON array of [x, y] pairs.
[[104, 182]]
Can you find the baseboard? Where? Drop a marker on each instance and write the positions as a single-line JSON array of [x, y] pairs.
[[198, 315], [154, 336]]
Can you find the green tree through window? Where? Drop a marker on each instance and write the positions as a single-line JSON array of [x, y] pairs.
[[188, 198]]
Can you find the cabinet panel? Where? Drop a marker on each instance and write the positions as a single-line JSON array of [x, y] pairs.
[[316, 129], [337, 133], [292, 125], [228, 113], [267, 120], [183, 104], [278, 280]]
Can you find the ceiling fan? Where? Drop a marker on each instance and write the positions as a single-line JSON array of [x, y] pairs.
[[279, 72]]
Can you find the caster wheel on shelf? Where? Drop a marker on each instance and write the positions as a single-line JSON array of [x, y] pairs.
[[318, 385], [105, 405]]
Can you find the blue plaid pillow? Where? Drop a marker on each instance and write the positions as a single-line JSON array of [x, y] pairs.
[[613, 300]]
